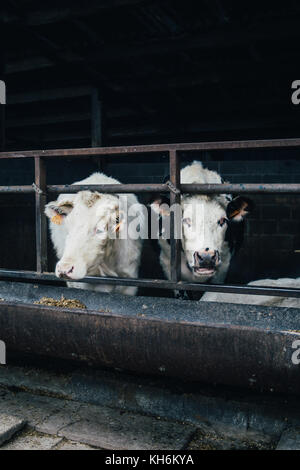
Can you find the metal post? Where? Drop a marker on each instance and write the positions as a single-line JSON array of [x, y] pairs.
[[40, 218], [175, 199], [2, 77]]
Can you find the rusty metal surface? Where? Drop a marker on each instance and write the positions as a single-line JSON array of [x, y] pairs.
[[218, 353], [175, 261], [251, 188], [124, 150], [40, 219], [110, 188], [156, 283], [16, 189], [244, 188]]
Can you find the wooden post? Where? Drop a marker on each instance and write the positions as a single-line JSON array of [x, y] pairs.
[[97, 124], [96, 119]]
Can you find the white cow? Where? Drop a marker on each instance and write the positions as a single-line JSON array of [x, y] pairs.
[[271, 301], [88, 233], [212, 228]]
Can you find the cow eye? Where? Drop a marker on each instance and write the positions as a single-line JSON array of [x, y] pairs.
[[222, 221]]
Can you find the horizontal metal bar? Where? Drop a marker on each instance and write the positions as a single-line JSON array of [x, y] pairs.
[[184, 147], [164, 188], [110, 188], [16, 189], [157, 283], [240, 188]]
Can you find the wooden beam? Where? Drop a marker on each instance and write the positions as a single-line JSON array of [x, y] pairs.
[[273, 31], [25, 65], [63, 118], [158, 131], [47, 119], [55, 15], [49, 95], [277, 31], [53, 51], [96, 120]]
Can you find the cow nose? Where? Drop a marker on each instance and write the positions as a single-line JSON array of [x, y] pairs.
[[64, 270], [206, 258]]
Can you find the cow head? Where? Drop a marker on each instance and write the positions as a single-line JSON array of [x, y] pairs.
[[88, 221], [208, 227]]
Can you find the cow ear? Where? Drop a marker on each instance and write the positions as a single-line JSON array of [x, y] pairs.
[[161, 206], [58, 210], [239, 208]]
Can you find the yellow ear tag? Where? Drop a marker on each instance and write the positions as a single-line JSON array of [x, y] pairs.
[[57, 219]]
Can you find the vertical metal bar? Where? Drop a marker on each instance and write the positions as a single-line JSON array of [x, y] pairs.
[[175, 265], [2, 77], [40, 218]]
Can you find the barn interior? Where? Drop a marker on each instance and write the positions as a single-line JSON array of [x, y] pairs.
[[129, 72]]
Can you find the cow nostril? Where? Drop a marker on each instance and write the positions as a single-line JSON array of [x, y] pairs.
[[70, 270]]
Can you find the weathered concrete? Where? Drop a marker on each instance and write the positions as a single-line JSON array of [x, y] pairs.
[[51, 419], [32, 408], [70, 445], [9, 425], [32, 441], [60, 419], [215, 423], [171, 400], [207, 438], [290, 440], [110, 429]]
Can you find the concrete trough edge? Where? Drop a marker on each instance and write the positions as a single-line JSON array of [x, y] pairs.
[[214, 353]]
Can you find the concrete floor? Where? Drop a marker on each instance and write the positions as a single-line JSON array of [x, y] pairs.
[[45, 410]]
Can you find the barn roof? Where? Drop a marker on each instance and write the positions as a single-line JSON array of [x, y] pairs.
[[148, 71]]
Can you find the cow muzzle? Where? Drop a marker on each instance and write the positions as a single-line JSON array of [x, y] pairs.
[[206, 262], [64, 270]]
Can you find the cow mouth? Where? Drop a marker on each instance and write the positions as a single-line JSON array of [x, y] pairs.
[[204, 271]]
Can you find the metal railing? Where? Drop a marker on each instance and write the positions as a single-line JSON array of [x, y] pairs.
[[173, 187]]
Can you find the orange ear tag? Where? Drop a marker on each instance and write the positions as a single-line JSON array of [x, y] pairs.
[[57, 219], [234, 213]]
